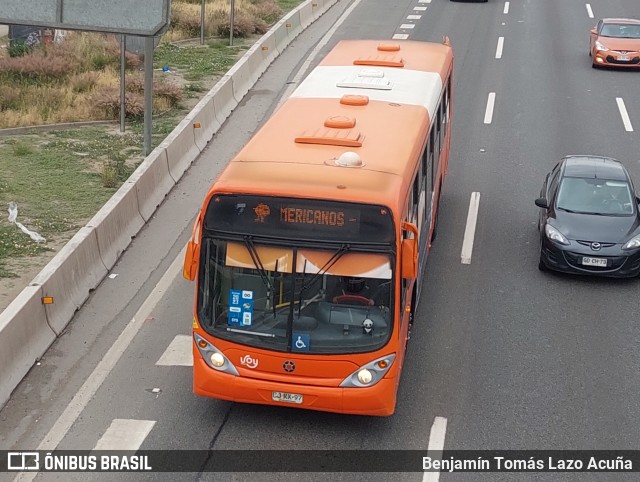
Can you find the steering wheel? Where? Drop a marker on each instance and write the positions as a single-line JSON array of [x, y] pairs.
[[348, 299]]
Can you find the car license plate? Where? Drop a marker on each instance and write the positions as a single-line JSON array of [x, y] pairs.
[[602, 262], [286, 397], [623, 58]]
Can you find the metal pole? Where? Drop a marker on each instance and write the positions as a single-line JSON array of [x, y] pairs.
[[148, 93], [202, 8], [231, 20], [123, 96]]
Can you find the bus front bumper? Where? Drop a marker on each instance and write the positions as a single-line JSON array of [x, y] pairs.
[[378, 400]]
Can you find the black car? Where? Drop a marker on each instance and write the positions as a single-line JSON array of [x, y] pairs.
[[589, 220]]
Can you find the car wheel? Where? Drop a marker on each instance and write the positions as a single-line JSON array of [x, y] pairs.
[[541, 265]]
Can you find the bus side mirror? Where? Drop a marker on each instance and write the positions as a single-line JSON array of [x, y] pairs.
[[409, 252], [192, 254], [190, 267]]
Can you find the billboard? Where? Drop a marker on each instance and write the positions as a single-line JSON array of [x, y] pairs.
[[144, 18]]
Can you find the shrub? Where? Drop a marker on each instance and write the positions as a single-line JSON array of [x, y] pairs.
[[84, 82], [114, 170], [49, 102], [243, 26], [109, 175], [268, 11], [18, 48], [185, 18], [135, 84], [39, 66], [111, 55], [172, 93], [22, 149], [10, 98], [108, 102]]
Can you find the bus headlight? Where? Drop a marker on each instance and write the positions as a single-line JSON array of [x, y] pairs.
[[364, 376], [217, 360], [213, 357], [369, 374]]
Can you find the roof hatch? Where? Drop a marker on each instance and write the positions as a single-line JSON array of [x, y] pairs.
[[381, 60], [387, 47], [331, 136], [350, 99], [340, 122]]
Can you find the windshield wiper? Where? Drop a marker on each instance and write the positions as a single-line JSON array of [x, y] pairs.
[[567, 210], [255, 333], [321, 272], [271, 292], [582, 212]]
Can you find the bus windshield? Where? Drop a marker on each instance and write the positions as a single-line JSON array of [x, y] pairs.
[[295, 299]]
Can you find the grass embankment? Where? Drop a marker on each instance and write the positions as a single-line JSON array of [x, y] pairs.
[[60, 179]]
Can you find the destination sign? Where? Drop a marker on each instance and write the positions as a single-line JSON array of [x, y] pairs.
[[295, 218], [313, 216]]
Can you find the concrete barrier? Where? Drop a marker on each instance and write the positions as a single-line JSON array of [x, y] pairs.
[[205, 117], [153, 182], [269, 50], [292, 22], [318, 8], [241, 76], [281, 33], [24, 337], [223, 100], [306, 12], [181, 147], [255, 59], [70, 276], [117, 223]]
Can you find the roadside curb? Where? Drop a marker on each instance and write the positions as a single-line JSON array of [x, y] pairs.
[[27, 326]]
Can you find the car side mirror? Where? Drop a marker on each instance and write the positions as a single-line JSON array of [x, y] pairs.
[[593, 30], [542, 203]]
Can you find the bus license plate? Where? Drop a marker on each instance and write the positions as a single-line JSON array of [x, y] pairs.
[[286, 397], [601, 262]]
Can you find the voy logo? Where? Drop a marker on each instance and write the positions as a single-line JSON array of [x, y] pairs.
[[249, 362]]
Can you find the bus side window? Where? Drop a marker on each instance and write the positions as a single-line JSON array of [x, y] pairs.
[[432, 156], [439, 139], [415, 200], [447, 103], [435, 158], [403, 295]]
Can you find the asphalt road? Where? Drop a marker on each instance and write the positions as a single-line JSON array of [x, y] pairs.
[[511, 357]]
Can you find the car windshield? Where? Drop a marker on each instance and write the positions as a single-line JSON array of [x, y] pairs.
[[595, 196], [620, 30], [295, 299]]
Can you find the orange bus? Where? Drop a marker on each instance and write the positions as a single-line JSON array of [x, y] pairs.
[[310, 245]]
